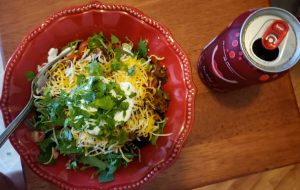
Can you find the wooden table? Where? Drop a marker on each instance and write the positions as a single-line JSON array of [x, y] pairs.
[[234, 134]]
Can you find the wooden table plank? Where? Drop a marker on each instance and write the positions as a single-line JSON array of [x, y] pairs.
[[238, 133], [285, 178]]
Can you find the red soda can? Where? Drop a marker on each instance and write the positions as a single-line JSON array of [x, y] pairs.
[[258, 46]]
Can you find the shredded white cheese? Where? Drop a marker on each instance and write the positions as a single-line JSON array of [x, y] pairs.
[[52, 54]]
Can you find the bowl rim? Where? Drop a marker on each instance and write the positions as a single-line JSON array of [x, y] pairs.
[[96, 5]]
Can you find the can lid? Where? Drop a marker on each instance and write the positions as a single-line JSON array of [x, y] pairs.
[[270, 39]]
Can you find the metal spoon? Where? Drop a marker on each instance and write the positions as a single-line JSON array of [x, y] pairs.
[[37, 84]]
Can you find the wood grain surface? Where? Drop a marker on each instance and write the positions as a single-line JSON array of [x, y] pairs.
[[286, 178], [235, 134]]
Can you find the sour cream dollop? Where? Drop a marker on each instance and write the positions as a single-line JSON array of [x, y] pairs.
[[128, 89]]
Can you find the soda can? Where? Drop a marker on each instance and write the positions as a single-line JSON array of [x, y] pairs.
[[258, 46]]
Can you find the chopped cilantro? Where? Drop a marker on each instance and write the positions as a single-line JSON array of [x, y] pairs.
[[73, 44], [115, 65], [65, 134], [89, 96], [123, 137], [107, 175], [159, 92], [72, 165], [124, 106], [97, 41], [93, 161], [80, 79], [105, 103], [69, 147], [142, 48], [131, 71], [118, 53], [95, 69], [114, 39], [161, 126], [30, 75], [99, 88], [48, 142], [46, 156], [133, 94]]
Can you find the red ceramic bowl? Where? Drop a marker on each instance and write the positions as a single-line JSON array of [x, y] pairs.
[[78, 23]]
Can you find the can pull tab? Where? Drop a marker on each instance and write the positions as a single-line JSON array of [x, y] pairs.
[[274, 34]]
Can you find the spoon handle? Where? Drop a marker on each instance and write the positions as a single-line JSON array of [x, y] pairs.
[[14, 124]]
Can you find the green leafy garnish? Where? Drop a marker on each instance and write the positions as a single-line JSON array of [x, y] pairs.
[[107, 175], [30, 75], [161, 126], [97, 41], [72, 165], [46, 143], [95, 69], [131, 71], [72, 44], [46, 157], [114, 39], [142, 48], [105, 103], [93, 161], [133, 94], [115, 66], [118, 53]]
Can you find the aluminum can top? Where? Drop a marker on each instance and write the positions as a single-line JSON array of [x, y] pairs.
[[270, 39]]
